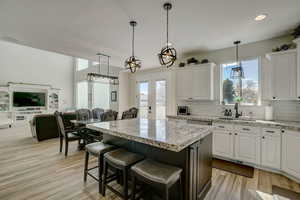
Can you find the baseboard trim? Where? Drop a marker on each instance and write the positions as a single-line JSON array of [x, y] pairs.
[[276, 171]]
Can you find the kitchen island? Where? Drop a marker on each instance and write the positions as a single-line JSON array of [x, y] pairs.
[[174, 142]]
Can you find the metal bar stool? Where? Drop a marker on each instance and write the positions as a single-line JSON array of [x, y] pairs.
[[157, 175], [121, 160], [97, 149]]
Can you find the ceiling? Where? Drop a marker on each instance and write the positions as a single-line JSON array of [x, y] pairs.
[[84, 27]]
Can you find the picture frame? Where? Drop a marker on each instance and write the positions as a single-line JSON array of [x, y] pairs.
[[113, 96]]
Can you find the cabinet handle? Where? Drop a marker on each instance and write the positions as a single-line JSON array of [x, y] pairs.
[[235, 134], [246, 129], [282, 131], [263, 137], [299, 97], [230, 133], [221, 126], [274, 97], [270, 131]]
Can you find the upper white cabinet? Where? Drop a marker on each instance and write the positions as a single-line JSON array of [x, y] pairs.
[[291, 152], [297, 41], [195, 82], [283, 75]]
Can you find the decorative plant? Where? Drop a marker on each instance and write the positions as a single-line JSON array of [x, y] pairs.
[[296, 32], [238, 99]]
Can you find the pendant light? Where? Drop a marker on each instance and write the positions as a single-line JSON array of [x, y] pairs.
[[132, 63], [167, 55], [237, 72]]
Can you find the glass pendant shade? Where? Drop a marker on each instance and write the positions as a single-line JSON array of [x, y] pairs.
[[237, 72], [167, 55], [133, 63]]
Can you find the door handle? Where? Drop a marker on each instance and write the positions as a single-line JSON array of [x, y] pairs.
[[149, 107]]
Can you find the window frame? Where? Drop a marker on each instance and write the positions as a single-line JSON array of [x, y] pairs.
[[76, 63], [259, 95]]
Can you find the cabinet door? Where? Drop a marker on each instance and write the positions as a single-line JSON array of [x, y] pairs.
[[202, 83], [184, 83], [291, 153], [223, 143], [284, 76], [246, 147], [271, 150]]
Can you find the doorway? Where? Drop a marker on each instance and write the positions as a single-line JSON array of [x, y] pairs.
[[152, 98]]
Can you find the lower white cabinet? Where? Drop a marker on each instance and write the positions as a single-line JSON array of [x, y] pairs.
[[291, 153], [223, 143], [246, 147], [271, 150]]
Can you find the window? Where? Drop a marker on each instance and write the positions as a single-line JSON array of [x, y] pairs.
[[101, 97], [82, 94], [249, 85], [82, 64]]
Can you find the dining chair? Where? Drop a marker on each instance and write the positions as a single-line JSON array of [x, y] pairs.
[[109, 115], [67, 136], [127, 115], [97, 112], [134, 111], [83, 114]]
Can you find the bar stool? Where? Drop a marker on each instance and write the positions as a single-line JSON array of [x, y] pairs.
[[121, 160], [97, 149], [157, 175]]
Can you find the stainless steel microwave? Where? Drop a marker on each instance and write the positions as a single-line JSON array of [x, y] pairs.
[[183, 110]]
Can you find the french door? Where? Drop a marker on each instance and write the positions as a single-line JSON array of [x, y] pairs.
[[151, 97]]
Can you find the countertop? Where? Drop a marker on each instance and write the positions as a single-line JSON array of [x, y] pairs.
[[287, 125], [169, 134]]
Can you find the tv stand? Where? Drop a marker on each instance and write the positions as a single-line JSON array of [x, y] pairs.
[[20, 116]]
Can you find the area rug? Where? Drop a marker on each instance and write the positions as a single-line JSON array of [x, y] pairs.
[[291, 195], [234, 168]]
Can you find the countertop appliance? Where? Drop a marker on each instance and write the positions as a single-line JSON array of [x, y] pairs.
[[183, 110]]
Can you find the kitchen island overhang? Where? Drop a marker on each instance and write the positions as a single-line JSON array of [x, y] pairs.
[[174, 142]]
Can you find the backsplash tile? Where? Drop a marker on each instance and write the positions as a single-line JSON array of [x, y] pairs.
[[283, 110]]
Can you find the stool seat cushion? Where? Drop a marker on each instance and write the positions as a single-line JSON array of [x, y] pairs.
[[157, 172], [122, 157], [98, 148]]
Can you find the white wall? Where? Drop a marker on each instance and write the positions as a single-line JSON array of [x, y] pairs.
[[29, 65], [283, 110]]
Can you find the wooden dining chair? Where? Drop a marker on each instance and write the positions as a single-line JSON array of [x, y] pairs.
[[66, 136]]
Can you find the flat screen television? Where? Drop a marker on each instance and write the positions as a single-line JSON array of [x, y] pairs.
[[29, 99]]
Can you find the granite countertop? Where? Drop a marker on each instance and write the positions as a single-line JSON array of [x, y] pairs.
[[169, 134], [288, 125]]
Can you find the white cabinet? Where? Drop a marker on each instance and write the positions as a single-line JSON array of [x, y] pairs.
[[246, 147], [297, 41], [283, 75], [271, 148], [223, 143], [195, 82], [291, 153]]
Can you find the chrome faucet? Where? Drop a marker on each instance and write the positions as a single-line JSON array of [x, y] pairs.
[[236, 108]]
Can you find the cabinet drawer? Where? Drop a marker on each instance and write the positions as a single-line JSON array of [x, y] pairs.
[[247, 129], [223, 126], [271, 131]]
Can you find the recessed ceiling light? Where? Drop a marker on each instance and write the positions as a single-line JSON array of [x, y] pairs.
[[260, 17]]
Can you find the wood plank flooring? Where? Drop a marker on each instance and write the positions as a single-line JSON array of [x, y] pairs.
[[36, 171]]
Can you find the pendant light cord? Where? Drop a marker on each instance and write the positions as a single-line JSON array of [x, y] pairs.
[[168, 27], [133, 40], [237, 53]]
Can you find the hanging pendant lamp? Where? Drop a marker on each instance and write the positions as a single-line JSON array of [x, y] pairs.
[[132, 63], [237, 72], [167, 55]]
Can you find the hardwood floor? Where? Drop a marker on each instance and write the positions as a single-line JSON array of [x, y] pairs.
[[36, 171]]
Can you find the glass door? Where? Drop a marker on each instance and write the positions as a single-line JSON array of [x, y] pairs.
[[152, 99], [143, 99], [160, 99]]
